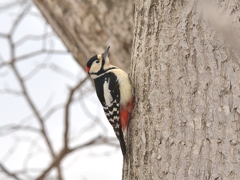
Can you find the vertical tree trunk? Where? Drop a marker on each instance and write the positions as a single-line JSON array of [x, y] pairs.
[[186, 122]]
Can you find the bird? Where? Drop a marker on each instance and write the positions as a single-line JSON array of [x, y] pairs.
[[114, 91]]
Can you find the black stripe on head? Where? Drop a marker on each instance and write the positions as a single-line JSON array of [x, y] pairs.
[[103, 71], [91, 60], [103, 63]]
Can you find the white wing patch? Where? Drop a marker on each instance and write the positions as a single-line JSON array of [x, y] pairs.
[[107, 92]]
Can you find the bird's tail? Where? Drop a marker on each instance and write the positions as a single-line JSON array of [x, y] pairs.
[[122, 142]]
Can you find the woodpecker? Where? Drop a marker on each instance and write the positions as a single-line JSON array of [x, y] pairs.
[[114, 92]]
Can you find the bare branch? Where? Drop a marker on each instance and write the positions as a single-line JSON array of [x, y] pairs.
[[10, 151], [5, 73], [89, 114], [62, 71], [34, 71], [12, 175], [55, 163], [10, 91], [69, 101], [97, 141], [56, 108], [2, 64], [34, 109], [8, 6], [19, 19], [33, 37], [30, 55], [5, 130], [30, 154], [51, 66], [53, 110], [3, 35], [59, 170], [46, 116], [39, 52]]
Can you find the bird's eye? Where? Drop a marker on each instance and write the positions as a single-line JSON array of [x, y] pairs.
[[97, 61]]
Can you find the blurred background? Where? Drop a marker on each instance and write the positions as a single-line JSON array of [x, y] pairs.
[[51, 122]]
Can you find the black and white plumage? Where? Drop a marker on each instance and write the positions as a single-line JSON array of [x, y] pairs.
[[107, 89], [114, 91]]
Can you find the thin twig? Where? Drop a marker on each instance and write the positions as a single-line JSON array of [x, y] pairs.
[[95, 141], [10, 151], [10, 91], [32, 54], [34, 109], [5, 130], [3, 35], [10, 174], [7, 6], [19, 19], [39, 52], [88, 113], [54, 163], [67, 110], [33, 37]]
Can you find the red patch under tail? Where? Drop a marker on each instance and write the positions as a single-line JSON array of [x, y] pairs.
[[124, 114]]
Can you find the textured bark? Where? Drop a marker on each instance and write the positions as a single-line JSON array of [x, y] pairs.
[[87, 27], [186, 121]]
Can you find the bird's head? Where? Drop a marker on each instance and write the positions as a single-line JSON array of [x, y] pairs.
[[98, 63]]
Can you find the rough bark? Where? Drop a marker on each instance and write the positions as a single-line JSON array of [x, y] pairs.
[[186, 120], [88, 27]]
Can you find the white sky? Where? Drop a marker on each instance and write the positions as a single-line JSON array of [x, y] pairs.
[[103, 163]]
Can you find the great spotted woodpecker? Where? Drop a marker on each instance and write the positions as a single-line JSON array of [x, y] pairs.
[[114, 91]]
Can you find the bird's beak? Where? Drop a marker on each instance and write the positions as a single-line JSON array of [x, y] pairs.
[[87, 69], [104, 55]]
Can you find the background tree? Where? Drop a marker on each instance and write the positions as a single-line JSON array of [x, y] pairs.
[[87, 27], [185, 68]]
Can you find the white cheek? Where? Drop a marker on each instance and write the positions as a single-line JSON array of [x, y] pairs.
[[94, 76], [95, 68]]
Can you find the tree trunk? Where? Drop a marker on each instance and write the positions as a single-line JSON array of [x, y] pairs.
[[87, 27], [186, 120]]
